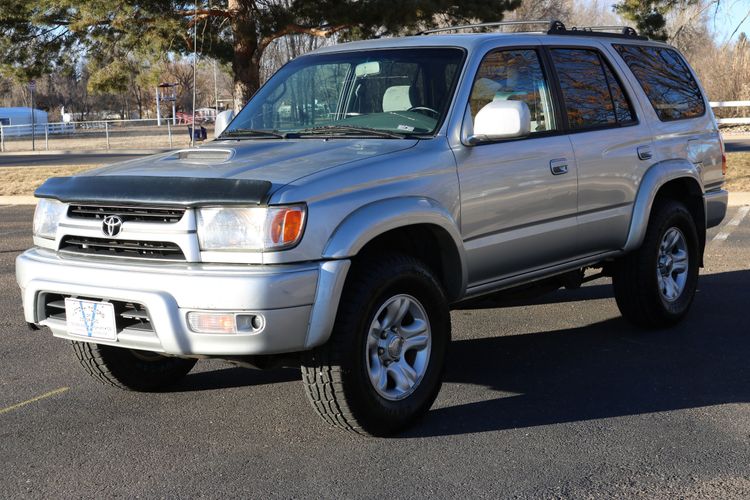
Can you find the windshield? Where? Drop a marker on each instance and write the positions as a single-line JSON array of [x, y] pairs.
[[382, 93]]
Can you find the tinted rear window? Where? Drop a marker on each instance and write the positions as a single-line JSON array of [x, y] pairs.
[[593, 96], [666, 80]]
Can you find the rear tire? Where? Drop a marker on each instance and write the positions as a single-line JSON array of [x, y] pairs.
[[130, 369], [655, 285], [382, 368]]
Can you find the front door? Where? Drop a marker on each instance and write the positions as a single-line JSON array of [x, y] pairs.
[[518, 197]]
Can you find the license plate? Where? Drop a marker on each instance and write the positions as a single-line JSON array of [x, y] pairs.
[[91, 319]]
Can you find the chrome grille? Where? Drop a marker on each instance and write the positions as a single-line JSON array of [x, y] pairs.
[[127, 213], [162, 250]]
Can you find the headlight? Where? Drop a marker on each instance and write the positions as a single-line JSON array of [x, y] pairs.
[[254, 228], [46, 217]]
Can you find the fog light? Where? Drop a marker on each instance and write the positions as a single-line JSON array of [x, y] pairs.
[[209, 322], [250, 323]]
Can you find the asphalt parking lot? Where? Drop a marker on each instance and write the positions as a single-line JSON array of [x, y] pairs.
[[554, 398]]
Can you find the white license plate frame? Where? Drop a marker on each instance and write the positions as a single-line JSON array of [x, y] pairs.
[[91, 319]]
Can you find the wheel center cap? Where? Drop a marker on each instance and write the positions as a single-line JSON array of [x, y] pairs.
[[395, 346], [666, 265]]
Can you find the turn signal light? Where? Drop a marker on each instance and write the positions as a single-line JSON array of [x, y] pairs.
[[209, 322], [286, 227]]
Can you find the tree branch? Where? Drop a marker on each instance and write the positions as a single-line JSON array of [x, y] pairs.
[[204, 13], [322, 31]]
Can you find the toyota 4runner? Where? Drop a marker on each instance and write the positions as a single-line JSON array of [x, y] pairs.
[[370, 187]]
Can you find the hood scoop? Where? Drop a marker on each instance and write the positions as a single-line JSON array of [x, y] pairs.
[[203, 156]]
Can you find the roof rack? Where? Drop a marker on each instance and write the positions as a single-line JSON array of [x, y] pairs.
[[553, 27], [605, 31], [545, 22]]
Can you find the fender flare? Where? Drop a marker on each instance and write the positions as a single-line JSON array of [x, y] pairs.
[[374, 219], [653, 180]]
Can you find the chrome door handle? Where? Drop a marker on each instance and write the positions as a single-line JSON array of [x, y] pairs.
[[559, 166], [645, 153]]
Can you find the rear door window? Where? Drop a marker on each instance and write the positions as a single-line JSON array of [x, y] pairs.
[[666, 80], [592, 94]]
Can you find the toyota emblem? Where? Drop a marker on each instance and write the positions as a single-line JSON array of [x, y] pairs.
[[112, 225]]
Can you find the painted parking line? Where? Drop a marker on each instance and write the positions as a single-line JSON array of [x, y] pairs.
[[15, 231], [6, 206], [733, 224], [33, 400]]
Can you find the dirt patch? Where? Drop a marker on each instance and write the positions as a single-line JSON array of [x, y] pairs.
[[22, 181], [738, 172]]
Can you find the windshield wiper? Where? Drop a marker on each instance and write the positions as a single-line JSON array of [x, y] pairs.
[[249, 132], [332, 129]]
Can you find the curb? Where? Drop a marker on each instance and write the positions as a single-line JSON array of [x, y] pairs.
[[112, 152], [739, 199], [17, 200], [735, 199]]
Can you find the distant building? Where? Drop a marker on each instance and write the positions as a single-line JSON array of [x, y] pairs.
[[18, 121]]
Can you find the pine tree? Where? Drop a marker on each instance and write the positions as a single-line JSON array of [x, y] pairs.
[[40, 35], [650, 15]]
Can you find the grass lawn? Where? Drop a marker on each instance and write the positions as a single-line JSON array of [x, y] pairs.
[[24, 180], [738, 172]]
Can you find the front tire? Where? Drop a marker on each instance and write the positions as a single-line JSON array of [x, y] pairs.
[[655, 285], [382, 368], [130, 369]]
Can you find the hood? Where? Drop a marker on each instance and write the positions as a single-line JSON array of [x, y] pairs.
[[279, 161]]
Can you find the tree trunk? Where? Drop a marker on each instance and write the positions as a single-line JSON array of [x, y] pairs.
[[247, 51]]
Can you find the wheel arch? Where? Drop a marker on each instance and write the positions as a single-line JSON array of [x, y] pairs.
[[414, 225], [672, 179]]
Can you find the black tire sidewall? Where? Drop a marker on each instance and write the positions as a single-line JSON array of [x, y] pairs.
[[387, 416], [142, 375], [671, 215]]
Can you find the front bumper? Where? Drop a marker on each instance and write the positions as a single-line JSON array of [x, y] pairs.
[[298, 302]]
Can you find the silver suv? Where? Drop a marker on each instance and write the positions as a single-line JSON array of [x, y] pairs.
[[366, 190]]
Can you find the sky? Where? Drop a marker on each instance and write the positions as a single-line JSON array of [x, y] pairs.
[[729, 16], [723, 21]]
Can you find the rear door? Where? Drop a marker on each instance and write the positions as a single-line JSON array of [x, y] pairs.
[[518, 197], [679, 117], [612, 147]]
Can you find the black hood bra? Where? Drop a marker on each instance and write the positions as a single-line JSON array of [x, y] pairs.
[[178, 191]]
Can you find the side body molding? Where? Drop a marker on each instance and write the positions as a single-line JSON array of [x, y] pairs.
[[370, 221], [655, 177]]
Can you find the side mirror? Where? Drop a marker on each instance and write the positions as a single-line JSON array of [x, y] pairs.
[[501, 120], [222, 120]]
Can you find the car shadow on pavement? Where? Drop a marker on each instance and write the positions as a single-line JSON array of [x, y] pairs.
[[230, 377], [602, 290], [606, 369]]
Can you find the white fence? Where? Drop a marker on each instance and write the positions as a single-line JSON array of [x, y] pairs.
[[146, 134], [731, 104], [103, 134]]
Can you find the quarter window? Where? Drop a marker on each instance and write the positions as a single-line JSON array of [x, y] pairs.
[[514, 75], [593, 96], [666, 80]]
